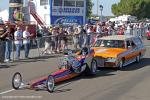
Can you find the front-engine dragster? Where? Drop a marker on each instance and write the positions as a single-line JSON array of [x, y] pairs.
[[71, 65]]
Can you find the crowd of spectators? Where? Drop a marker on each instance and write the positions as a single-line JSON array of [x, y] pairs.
[[58, 38], [10, 36], [87, 34]]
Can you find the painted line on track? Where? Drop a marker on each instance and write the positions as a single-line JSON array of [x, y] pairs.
[[7, 91]]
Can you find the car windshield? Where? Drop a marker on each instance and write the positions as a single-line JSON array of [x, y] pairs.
[[110, 43]]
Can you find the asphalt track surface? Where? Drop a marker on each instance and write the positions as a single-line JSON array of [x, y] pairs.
[[130, 83]]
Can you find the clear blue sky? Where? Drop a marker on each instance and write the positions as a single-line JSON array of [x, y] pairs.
[[106, 4]]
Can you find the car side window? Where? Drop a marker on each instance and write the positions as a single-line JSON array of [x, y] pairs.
[[133, 44]]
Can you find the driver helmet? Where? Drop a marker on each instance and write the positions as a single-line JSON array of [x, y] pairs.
[[84, 51]]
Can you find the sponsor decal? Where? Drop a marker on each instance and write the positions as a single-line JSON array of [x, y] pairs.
[[66, 10], [66, 20]]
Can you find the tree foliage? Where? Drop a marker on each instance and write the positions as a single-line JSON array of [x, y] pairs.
[[139, 8], [89, 6]]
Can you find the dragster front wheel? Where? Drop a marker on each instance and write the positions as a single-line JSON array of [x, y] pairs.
[[16, 80], [50, 83]]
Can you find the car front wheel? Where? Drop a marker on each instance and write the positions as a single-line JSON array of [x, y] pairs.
[[16, 80], [138, 58], [93, 67], [120, 64]]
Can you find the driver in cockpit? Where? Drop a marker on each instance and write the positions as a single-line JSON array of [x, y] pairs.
[[73, 61]]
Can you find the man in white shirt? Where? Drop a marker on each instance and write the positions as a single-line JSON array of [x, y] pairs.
[[18, 41], [26, 41]]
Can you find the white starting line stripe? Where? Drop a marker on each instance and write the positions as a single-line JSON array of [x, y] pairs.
[[7, 91]]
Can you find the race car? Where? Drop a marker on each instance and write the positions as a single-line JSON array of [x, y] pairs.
[[71, 65], [118, 51]]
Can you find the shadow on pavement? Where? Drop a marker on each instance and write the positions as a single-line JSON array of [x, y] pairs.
[[135, 66], [62, 90], [108, 71], [2, 66], [59, 89], [104, 72], [36, 59]]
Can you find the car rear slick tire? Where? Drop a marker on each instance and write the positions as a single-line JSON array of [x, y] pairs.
[[91, 70], [16, 80], [50, 84]]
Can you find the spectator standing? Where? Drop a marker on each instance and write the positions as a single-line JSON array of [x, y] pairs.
[[121, 31], [84, 38], [26, 41], [148, 32], [57, 36], [47, 43], [81, 40], [8, 44], [2, 44], [89, 31], [52, 40], [18, 41], [76, 38], [65, 40], [60, 39], [135, 29]]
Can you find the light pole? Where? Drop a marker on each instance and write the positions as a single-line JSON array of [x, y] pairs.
[[97, 7], [101, 9]]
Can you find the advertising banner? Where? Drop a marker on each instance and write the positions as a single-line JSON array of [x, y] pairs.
[[15, 10], [67, 20], [63, 14]]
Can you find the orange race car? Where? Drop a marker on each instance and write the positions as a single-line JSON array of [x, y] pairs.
[[117, 51]]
